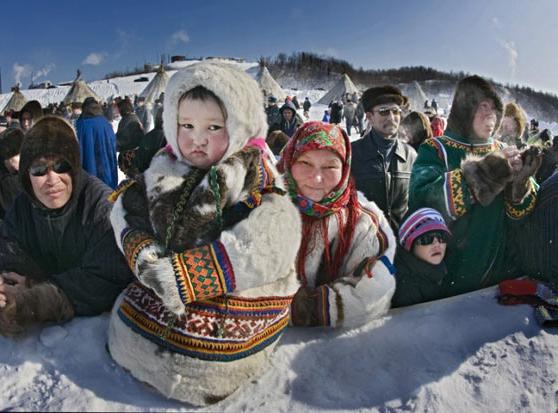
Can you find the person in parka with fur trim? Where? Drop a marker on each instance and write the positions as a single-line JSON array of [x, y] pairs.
[[212, 239], [58, 257], [345, 260], [478, 184]]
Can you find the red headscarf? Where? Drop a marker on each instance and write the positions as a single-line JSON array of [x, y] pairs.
[[341, 202]]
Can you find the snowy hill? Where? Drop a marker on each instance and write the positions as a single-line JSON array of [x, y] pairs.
[[461, 354]]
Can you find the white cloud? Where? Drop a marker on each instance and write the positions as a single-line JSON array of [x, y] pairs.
[[180, 37], [94, 59], [20, 70]]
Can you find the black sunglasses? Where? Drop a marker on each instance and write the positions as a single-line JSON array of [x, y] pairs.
[[387, 111], [428, 238], [59, 167]]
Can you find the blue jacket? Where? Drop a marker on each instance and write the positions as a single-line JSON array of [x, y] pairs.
[[98, 148]]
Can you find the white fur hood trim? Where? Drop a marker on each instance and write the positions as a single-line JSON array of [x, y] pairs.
[[239, 93]]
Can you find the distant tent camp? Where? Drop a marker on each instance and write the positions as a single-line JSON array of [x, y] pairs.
[[16, 102], [339, 90], [268, 85], [157, 85], [79, 91]]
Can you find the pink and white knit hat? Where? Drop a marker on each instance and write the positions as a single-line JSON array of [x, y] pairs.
[[418, 223]]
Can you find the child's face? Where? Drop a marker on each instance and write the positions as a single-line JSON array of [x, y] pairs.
[[202, 136], [431, 247]]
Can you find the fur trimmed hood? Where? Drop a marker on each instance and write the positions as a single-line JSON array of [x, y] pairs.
[[468, 95], [239, 93], [51, 135]]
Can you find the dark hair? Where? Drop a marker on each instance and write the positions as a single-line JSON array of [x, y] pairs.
[[418, 126], [203, 94], [125, 107]]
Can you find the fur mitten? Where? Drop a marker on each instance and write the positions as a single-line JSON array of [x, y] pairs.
[[42, 302], [486, 176], [159, 276], [519, 187]]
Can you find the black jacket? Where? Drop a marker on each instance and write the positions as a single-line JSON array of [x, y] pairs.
[[10, 187], [74, 247], [389, 189], [417, 281]]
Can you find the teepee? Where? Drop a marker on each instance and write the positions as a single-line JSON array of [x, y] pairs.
[[339, 90], [157, 85], [268, 85], [79, 91], [16, 102]]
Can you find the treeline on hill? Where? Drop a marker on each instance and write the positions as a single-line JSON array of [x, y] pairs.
[[311, 64]]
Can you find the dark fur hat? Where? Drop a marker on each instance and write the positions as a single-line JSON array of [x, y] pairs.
[[34, 108], [470, 92], [91, 108], [382, 94], [10, 143], [52, 135]]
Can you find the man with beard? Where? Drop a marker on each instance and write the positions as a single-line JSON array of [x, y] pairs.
[[382, 162]]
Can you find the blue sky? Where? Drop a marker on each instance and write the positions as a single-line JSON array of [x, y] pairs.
[[509, 41]]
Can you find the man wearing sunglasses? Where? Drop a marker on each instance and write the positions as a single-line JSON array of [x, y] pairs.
[[382, 162], [58, 255]]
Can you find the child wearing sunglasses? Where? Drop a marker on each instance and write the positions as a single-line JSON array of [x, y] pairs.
[[419, 260]]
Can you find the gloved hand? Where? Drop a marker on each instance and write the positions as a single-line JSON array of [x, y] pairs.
[[486, 177], [303, 306]]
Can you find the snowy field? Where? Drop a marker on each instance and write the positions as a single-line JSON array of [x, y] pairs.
[[461, 354]]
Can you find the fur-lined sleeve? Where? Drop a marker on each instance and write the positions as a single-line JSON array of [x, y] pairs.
[[432, 185], [366, 284]]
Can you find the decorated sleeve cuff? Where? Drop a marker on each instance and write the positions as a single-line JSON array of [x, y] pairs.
[[321, 309], [133, 243], [203, 272], [457, 196], [526, 206]]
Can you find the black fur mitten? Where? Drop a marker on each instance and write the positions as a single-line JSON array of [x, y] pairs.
[[486, 176], [42, 302], [519, 186]]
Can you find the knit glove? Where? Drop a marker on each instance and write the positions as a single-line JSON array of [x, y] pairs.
[[520, 185], [486, 177]]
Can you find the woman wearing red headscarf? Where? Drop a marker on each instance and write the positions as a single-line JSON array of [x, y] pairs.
[[345, 261]]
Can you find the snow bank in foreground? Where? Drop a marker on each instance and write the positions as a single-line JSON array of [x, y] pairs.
[[461, 354]]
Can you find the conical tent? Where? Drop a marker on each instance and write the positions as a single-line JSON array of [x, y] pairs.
[[268, 85], [157, 85], [16, 102], [79, 91], [339, 90]]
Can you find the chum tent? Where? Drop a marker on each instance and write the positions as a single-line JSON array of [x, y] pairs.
[[269, 85], [16, 102], [157, 85], [343, 86], [79, 91]]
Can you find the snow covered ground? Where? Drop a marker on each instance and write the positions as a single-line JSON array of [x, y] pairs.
[[461, 354]]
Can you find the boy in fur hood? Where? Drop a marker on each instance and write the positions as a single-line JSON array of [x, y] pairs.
[[212, 239], [480, 185]]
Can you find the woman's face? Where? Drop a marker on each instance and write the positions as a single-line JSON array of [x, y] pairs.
[[202, 136], [317, 173], [484, 122]]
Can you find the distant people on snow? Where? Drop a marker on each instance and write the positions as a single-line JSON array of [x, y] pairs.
[[128, 137], [10, 185], [306, 107], [335, 112], [382, 161], [349, 111], [30, 114], [289, 120], [97, 143]]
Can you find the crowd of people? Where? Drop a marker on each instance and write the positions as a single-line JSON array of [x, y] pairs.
[[218, 241]]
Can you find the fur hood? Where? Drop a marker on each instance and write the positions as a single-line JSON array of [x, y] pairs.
[[469, 93], [239, 93], [51, 135]]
